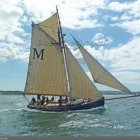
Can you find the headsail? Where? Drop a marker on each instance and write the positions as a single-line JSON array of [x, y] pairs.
[[99, 73], [80, 84], [46, 73]]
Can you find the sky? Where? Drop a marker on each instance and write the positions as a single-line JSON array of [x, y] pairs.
[[109, 30]]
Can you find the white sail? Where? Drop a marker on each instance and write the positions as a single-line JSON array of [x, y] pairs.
[[99, 73], [80, 84], [46, 73]]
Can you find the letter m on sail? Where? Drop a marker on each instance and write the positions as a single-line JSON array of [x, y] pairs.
[[38, 54]]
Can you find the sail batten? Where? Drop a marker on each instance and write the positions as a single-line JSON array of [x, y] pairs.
[[98, 72]]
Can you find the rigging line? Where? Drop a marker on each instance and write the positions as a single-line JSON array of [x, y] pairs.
[[122, 97], [25, 97], [126, 100]]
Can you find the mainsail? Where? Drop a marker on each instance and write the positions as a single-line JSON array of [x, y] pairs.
[[46, 73], [98, 72], [80, 84]]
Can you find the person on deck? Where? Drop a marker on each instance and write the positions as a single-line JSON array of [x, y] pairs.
[[66, 99], [89, 100], [60, 101], [33, 100], [52, 99], [38, 97], [43, 100], [47, 100]]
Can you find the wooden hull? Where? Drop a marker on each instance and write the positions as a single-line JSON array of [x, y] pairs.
[[83, 106]]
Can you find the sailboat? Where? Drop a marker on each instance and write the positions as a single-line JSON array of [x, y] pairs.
[[54, 71]]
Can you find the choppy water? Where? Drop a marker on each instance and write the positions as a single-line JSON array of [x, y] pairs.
[[117, 118]]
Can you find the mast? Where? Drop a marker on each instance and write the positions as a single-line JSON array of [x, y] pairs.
[[63, 48]]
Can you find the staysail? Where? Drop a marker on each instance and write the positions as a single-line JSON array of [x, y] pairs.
[[98, 72], [80, 84], [46, 73]]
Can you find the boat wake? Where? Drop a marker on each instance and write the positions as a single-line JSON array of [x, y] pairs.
[[40, 111], [7, 110], [98, 109]]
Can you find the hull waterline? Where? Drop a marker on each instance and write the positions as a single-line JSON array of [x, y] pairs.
[[83, 106]]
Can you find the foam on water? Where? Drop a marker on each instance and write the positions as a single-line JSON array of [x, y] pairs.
[[7, 110], [117, 118]]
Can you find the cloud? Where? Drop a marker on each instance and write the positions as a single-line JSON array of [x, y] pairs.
[[13, 34], [10, 16], [15, 39], [131, 7], [73, 14], [127, 55], [10, 29], [118, 6], [114, 18], [129, 77], [129, 18], [130, 26], [99, 39], [11, 52]]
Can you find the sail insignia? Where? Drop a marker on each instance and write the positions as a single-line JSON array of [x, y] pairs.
[[38, 55]]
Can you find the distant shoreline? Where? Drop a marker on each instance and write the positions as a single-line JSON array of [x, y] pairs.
[[103, 92], [11, 92]]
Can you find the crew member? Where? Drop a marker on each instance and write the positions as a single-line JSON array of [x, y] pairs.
[[60, 101]]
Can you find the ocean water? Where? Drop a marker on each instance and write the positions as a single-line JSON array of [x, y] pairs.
[[117, 118]]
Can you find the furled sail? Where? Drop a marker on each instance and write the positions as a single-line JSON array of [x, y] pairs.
[[99, 73], [46, 73], [50, 26], [80, 84]]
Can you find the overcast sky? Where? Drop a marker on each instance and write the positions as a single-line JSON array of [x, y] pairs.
[[109, 30]]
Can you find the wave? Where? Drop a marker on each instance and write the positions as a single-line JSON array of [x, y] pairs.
[[7, 110], [40, 111]]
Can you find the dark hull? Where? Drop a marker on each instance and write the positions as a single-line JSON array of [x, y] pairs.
[[83, 106]]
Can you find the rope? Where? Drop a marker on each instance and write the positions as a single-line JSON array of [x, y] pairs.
[[122, 97], [25, 97], [126, 99]]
